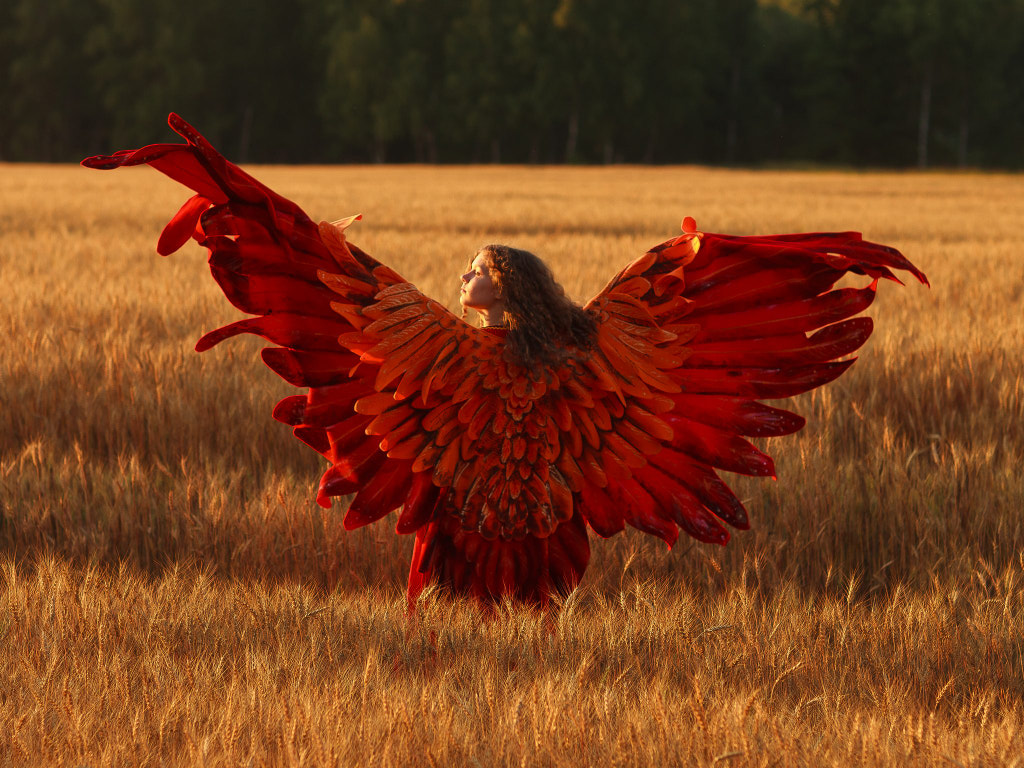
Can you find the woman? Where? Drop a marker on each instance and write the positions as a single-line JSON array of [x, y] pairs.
[[513, 289], [499, 446], [517, 300]]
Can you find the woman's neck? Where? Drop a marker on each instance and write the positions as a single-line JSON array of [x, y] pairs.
[[493, 316]]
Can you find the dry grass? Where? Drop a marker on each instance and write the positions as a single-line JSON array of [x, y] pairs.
[[171, 595]]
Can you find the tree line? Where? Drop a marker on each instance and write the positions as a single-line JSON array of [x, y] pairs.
[[854, 82]]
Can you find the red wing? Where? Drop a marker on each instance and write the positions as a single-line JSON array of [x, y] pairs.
[[749, 318], [369, 347], [412, 407]]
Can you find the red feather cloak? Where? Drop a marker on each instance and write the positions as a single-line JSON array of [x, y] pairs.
[[498, 469]]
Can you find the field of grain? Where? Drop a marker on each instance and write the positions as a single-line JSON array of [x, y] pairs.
[[171, 595]]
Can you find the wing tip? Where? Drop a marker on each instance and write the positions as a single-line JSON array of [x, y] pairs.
[[98, 162], [291, 410], [180, 126], [345, 222]]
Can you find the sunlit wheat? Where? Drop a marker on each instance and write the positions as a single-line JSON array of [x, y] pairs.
[[170, 594]]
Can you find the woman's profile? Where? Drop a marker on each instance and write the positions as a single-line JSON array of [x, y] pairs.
[[501, 447]]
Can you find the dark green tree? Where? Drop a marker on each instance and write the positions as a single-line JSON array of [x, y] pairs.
[[876, 82], [49, 99]]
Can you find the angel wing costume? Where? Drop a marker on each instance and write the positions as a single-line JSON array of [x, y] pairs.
[[499, 469]]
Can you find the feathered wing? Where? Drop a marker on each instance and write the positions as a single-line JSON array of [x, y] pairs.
[[413, 408], [388, 370], [692, 335]]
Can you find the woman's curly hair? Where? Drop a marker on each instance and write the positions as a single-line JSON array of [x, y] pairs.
[[545, 326]]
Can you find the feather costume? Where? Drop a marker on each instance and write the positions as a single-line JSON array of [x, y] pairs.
[[499, 469]]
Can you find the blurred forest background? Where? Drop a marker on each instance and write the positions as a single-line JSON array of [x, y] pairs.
[[898, 83]]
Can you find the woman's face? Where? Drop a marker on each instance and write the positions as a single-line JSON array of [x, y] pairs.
[[478, 289]]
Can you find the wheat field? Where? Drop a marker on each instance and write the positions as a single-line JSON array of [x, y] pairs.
[[171, 595]]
